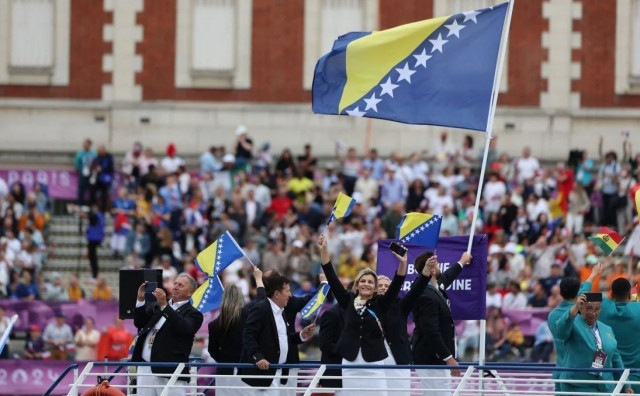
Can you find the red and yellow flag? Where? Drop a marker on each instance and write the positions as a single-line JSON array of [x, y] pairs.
[[607, 239]]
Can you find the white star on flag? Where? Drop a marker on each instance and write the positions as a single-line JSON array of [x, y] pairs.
[[422, 58], [454, 29], [471, 16], [405, 73], [438, 43], [372, 102], [388, 87], [356, 112]]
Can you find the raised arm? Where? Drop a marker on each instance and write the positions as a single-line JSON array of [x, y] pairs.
[[260, 292], [564, 325], [410, 300], [384, 302], [341, 295], [452, 273]]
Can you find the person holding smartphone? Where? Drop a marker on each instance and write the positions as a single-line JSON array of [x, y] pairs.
[[394, 324], [434, 335], [362, 339], [588, 343]]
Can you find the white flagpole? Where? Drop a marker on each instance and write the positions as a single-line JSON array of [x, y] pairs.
[[5, 337], [492, 111]]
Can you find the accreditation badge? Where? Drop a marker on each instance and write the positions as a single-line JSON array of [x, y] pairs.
[[599, 359]]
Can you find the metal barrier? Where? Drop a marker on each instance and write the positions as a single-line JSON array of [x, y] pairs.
[[491, 379]]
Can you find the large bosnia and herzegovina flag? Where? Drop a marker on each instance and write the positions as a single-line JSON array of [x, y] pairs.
[[435, 72]]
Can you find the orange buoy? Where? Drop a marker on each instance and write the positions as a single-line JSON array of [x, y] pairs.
[[103, 389]]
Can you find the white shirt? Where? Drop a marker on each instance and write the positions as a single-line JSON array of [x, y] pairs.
[[494, 300], [493, 193], [512, 301], [527, 168], [146, 348], [171, 165], [281, 326]]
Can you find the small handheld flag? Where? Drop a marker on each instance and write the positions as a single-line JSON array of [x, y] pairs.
[[314, 305], [208, 296], [420, 229], [215, 258], [342, 208], [607, 240]]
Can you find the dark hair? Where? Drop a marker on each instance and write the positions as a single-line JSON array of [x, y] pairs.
[[274, 283], [421, 261], [515, 285], [620, 289], [569, 287]]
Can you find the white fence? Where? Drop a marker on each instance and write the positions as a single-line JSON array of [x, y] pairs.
[[493, 379]]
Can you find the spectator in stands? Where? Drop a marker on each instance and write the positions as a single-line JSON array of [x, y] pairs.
[[5, 270], [74, 290], [169, 272], [543, 344], [34, 347], [579, 205], [470, 338], [32, 218], [285, 165], [209, 162], [56, 291], [351, 166], [307, 162], [138, 244], [4, 189], [393, 189], [82, 163], [299, 186], [608, 181], [171, 162], [526, 166], [244, 147], [57, 337], [577, 328], [554, 298], [102, 173], [264, 159], [496, 330], [146, 161], [554, 277], [102, 291], [515, 299], [493, 298], [86, 340], [539, 297], [4, 325], [95, 236], [26, 288], [115, 342], [131, 165]]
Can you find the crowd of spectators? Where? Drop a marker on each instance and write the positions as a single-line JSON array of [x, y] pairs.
[[536, 217]]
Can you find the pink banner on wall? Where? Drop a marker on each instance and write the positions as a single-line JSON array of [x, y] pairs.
[[62, 183]]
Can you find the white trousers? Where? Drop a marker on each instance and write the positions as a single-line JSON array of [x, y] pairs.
[[435, 383], [373, 382], [158, 382], [403, 382], [242, 389]]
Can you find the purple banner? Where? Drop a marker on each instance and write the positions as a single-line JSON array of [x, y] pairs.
[[62, 183], [468, 291], [103, 312]]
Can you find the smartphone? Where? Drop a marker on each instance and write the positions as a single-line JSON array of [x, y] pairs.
[[150, 287], [594, 297], [397, 249]]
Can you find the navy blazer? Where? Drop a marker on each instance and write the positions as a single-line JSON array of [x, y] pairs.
[[435, 332], [362, 332]]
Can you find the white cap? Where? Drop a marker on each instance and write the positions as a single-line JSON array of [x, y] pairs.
[[241, 129], [493, 249], [230, 158], [298, 243], [510, 248]]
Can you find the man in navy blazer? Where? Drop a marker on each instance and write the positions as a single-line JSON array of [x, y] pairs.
[[166, 330]]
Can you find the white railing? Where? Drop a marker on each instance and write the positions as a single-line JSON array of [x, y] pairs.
[[493, 379]]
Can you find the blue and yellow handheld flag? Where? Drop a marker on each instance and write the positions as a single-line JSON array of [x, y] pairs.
[[209, 295], [342, 208], [419, 228], [314, 305], [435, 72], [224, 251]]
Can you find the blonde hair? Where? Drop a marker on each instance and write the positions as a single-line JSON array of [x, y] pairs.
[[366, 271], [230, 309]]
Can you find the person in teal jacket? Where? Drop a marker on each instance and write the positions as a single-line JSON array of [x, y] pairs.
[[623, 316], [570, 289], [588, 343]]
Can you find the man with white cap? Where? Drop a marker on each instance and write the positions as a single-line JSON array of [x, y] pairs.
[[244, 146]]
